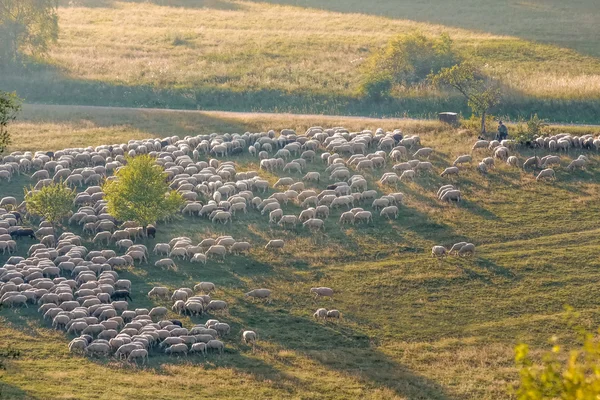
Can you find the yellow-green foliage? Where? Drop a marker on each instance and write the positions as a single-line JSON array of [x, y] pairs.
[[52, 202], [565, 372], [412, 327], [407, 60], [141, 193], [249, 56]]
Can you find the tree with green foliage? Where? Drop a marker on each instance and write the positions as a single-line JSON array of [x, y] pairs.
[[406, 60], [10, 105], [141, 193], [566, 375], [481, 92], [53, 202], [27, 27], [534, 127]]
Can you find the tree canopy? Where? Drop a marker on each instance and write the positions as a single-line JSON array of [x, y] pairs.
[[10, 105], [140, 192], [481, 93], [407, 59], [562, 374], [27, 27], [53, 202]]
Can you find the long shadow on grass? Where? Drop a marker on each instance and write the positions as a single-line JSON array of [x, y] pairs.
[[499, 18], [42, 83], [341, 348], [14, 392]]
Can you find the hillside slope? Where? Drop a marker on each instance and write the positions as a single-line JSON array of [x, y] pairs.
[[255, 56], [413, 327]]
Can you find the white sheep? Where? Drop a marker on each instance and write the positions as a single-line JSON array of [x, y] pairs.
[[249, 337], [438, 251], [259, 294], [546, 173], [321, 313]]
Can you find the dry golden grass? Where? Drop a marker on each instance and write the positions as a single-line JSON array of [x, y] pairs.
[[412, 327], [244, 45]]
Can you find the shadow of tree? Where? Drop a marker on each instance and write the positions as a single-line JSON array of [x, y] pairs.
[[348, 350]]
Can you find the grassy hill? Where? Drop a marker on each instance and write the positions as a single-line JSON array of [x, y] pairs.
[[412, 327], [304, 56]]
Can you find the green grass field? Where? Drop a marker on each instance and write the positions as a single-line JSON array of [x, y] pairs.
[[304, 56], [412, 327]]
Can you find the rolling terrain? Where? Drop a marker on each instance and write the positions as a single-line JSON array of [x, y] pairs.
[[413, 327], [305, 56]]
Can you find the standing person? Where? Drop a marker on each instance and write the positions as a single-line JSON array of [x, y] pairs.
[[502, 132]]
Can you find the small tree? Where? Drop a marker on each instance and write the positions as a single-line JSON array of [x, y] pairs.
[[141, 193], [27, 27], [567, 375], [53, 202], [535, 127], [10, 105], [406, 60], [481, 93]]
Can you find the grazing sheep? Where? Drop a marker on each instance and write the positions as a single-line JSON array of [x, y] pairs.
[[513, 161], [482, 167], [451, 195], [333, 314], [260, 294], [481, 144], [199, 258], [321, 313], [462, 160], [423, 152], [217, 250], [162, 249], [457, 247], [158, 312], [205, 287], [322, 292], [137, 354], [532, 161], [180, 348], [546, 173], [438, 251], [275, 244], [467, 250], [450, 171], [249, 337], [314, 224], [578, 163], [198, 348], [408, 175], [216, 344], [389, 212], [216, 305]]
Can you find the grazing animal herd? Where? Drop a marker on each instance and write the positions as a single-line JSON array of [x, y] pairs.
[[73, 278]]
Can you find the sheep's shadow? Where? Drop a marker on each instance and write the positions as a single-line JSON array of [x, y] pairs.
[[355, 355]]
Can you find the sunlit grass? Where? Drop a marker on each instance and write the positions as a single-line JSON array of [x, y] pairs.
[[411, 327]]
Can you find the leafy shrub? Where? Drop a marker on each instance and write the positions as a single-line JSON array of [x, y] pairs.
[[377, 86], [568, 375], [534, 127], [406, 60], [52, 202]]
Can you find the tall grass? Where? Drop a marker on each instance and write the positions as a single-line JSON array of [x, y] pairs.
[[243, 55], [412, 327]]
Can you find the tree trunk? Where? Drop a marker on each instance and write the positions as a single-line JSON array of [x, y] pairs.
[[483, 131]]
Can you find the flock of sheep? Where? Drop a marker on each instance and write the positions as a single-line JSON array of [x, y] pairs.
[[79, 291]]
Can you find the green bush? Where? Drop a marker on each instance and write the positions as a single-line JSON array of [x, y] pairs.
[[406, 60], [534, 127], [377, 86], [563, 374]]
